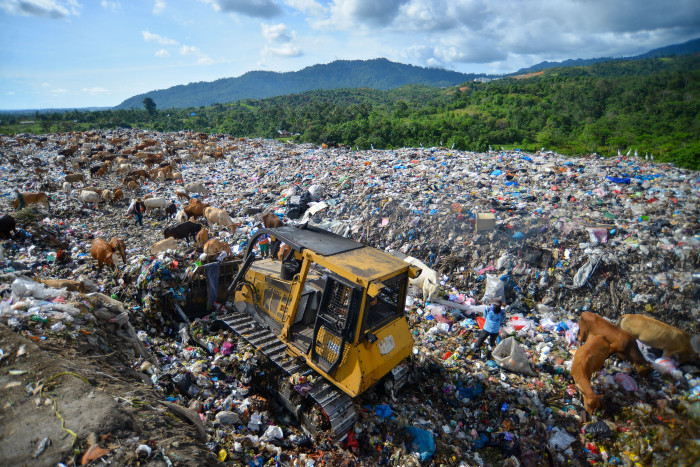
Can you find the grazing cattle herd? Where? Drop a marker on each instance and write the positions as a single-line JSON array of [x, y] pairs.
[[110, 173]]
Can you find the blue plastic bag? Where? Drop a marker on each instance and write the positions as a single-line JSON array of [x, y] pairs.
[[423, 442]]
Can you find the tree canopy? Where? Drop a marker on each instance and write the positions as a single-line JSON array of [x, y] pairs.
[[652, 106]]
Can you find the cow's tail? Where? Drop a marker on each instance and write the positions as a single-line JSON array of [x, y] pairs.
[[619, 320]]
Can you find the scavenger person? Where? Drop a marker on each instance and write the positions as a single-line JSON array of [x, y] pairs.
[[264, 243], [494, 316]]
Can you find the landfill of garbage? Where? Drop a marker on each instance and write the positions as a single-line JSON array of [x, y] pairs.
[[550, 236]]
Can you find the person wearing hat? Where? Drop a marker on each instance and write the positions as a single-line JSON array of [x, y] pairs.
[[494, 316], [264, 243], [139, 209]]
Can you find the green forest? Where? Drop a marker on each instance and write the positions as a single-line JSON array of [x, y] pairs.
[[652, 106]]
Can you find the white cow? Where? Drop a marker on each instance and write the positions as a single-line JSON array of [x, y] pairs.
[[153, 203], [67, 187], [89, 197], [162, 246], [180, 216], [427, 280], [197, 188], [217, 216]]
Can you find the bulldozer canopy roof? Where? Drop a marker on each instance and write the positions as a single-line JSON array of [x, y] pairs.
[[321, 241], [351, 256]]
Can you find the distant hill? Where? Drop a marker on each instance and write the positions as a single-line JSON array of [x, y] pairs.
[[379, 73], [686, 48]]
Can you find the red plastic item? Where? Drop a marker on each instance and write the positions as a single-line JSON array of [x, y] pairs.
[[480, 321]]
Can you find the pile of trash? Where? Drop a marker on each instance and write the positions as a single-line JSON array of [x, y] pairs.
[[549, 235]]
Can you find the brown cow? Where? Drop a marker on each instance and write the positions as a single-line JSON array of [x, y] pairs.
[[622, 343], [182, 195], [195, 210], [674, 342], [271, 221], [104, 252], [588, 359], [118, 195], [73, 178], [30, 198], [214, 246], [139, 173], [202, 238], [70, 285], [119, 247], [283, 251]]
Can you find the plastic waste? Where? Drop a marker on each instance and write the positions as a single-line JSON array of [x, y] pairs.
[[626, 381], [423, 442], [495, 289], [510, 355], [560, 439]]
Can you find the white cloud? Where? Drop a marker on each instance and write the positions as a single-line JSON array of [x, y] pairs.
[[306, 6], [150, 37], [113, 6], [202, 59], [162, 53], [59, 92], [188, 50], [255, 8], [205, 60], [275, 32], [213, 4], [10, 93], [284, 50], [158, 7], [94, 91], [54, 9]]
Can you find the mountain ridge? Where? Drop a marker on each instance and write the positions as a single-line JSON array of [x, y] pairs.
[[685, 48], [378, 73]]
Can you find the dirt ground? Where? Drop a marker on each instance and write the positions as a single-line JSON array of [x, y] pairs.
[[98, 398]]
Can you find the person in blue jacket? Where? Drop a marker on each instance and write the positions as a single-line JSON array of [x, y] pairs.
[[494, 316]]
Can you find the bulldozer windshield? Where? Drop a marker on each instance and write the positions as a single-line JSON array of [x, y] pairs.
[[387, 303]]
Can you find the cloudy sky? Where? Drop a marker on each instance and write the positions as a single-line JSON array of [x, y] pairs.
[[96, 53]]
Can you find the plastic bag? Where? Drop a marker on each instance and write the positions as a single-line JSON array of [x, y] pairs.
[[25, 287], [597, 236], [272, 432], [423, 442], [667, 366], [560, 439], [495, 289], [626, 381], [509, 355], [598, 429]]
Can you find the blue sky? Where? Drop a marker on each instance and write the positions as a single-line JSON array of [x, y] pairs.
[[79, 53]]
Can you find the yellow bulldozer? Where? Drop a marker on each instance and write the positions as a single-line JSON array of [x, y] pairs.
[[330, 313]]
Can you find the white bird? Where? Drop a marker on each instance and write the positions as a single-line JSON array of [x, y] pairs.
[[629, 151]]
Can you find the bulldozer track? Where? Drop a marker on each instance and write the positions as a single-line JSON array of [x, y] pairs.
[[337, 405]]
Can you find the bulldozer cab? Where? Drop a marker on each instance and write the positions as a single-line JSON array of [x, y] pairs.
[[338, 304]]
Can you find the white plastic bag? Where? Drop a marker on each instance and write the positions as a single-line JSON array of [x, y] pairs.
[[560, 439], [495, 289], [509, 355]]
